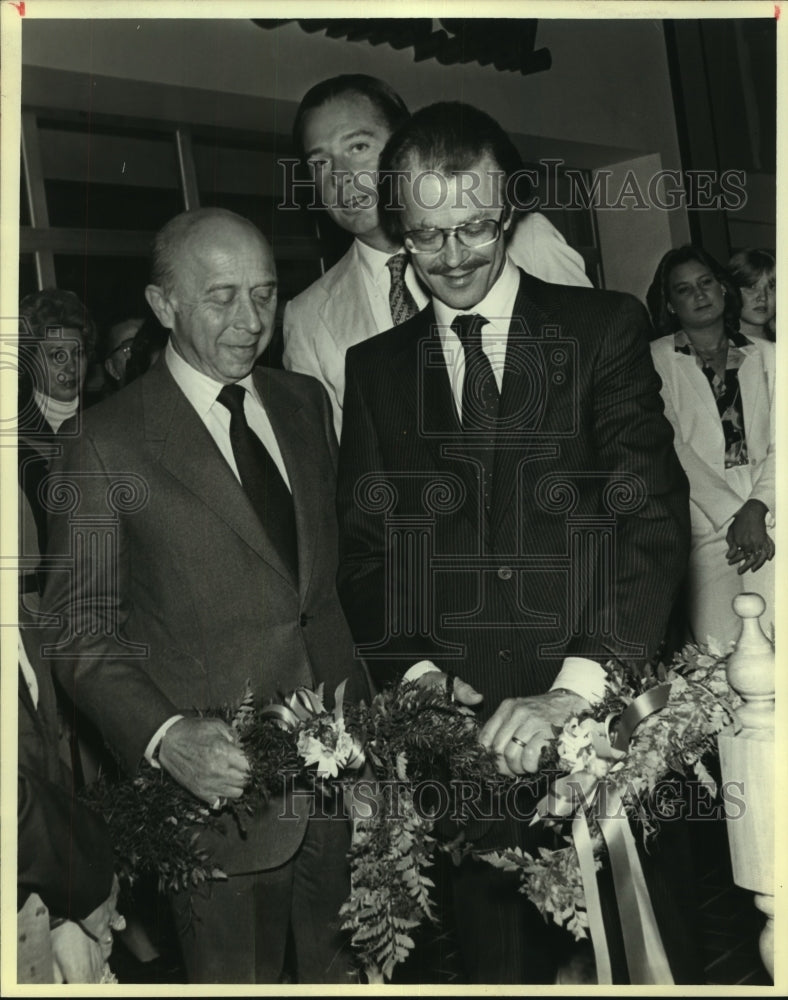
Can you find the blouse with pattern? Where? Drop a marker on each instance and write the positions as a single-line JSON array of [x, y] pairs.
[[726, 392]]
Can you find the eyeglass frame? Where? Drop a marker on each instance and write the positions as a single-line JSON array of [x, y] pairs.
[[125, 347], [498, 223]]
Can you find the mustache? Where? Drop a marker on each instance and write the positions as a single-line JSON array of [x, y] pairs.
[[455, 272]]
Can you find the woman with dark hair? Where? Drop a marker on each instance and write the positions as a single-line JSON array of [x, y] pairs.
[[56, 341], [718, 389], [752, 272]]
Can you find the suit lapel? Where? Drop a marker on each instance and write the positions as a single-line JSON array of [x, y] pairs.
[[346, 311], [420, 369], [189, 453], [750, 384], [524, 398], [696, 383]]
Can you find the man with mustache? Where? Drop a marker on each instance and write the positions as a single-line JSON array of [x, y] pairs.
[[340, 128], [511, 507]]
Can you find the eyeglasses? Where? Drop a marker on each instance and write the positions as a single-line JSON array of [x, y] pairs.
[[125, 347], [471, 234]]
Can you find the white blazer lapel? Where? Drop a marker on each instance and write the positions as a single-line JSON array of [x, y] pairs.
[[694, 384], [346, 311], [751, 385]]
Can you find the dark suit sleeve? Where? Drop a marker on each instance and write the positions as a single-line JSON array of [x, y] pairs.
[[64, 852], [98, 668], [634, 444]]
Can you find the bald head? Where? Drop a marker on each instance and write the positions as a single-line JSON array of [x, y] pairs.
[[214, 287], [172, 238]]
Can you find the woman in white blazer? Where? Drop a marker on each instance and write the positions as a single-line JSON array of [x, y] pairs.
[[718, 390]]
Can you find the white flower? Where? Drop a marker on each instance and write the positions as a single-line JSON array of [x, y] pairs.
[[329, 759], [598, 766], [574, 739]]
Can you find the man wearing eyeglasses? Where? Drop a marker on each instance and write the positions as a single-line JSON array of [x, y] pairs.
[[511, 438], [117, 349], [340, 128]]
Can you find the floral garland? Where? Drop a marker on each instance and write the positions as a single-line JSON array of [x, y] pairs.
[[698, 704], [411, 734], [407, 734]]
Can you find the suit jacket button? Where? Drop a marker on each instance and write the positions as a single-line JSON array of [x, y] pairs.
[[504, 573], [303, 620], [505, 655]]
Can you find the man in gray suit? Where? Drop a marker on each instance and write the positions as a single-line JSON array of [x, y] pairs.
[[204, 492]]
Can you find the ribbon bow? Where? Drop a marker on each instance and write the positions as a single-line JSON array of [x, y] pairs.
[[302, 707], [584, 793]]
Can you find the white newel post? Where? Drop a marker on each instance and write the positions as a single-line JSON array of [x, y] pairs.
[[747, 762]]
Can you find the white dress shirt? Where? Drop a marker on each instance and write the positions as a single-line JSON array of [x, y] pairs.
[[377, 282], [584, 677], [202, 392], [496, 307]]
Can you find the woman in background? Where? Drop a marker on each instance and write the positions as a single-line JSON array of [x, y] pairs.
[[753, 273], [718, 389], [56, 339]]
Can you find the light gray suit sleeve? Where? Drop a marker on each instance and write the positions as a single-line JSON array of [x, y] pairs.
[[538, 248], [305, 340]]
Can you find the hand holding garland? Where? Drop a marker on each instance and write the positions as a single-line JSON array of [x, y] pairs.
[[204, 756], [521, 728]]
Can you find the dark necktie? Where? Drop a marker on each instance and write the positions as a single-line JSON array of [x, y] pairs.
[[480, 396], [403, 305], [261, 479]]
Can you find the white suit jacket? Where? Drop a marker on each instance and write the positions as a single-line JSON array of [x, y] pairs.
[[334, 313], [699, 441]]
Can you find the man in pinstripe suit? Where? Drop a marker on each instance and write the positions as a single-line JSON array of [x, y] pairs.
[[515, 429]]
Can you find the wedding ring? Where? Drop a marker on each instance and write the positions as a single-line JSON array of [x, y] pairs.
[[519, 742], [450, 685]]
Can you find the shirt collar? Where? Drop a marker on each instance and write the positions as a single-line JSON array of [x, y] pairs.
[[683, 345], [497, 304], [373, 261], [200, 389], [55, 411]]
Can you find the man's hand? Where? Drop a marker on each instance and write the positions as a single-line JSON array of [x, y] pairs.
[[749, 545], [463, 693], [204, 756], [75, 958], [521, 727]]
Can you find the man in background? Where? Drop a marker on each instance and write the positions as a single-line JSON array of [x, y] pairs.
[[341, 126], [117, 349]]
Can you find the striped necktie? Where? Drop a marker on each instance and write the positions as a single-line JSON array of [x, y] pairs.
[[403, 305]]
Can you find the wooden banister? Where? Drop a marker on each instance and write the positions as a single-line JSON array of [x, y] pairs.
[[747, 762]]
